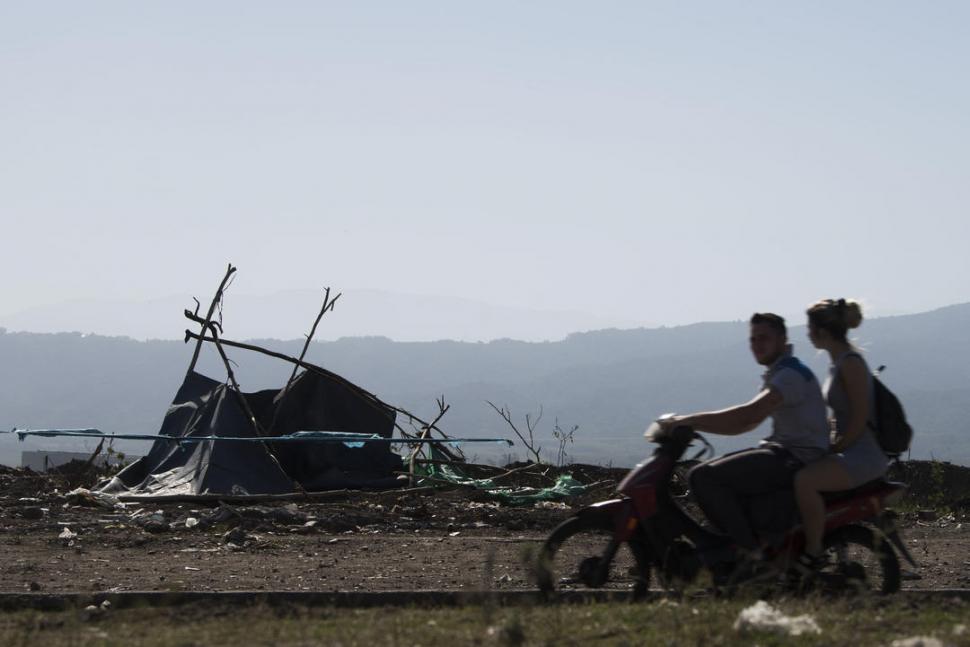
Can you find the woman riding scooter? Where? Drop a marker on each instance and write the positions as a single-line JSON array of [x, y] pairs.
[[855, 457]]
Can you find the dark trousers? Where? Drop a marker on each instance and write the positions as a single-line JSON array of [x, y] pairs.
[[719, 486]]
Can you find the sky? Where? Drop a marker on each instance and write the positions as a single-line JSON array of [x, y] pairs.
[[637, 161]]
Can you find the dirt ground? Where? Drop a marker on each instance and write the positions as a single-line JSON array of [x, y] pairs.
[[369, 542]]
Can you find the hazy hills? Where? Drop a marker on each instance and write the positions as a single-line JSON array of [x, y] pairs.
[[286, 315], [610, 382]]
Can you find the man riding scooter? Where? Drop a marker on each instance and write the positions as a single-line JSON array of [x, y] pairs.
[[792, 398]]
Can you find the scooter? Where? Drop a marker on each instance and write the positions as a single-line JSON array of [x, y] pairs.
[[861, 537]]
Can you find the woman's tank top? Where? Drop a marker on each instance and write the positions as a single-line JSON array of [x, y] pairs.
[[837, 398]]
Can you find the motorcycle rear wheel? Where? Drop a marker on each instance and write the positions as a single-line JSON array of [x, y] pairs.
[[864, 560], [570, 558]]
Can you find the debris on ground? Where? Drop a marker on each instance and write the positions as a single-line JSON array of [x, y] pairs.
[[235, 536], [85, 497], [762, 616], [918, 641], [147, 545]]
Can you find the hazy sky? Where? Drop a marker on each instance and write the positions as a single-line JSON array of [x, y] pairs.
[[665, 162]]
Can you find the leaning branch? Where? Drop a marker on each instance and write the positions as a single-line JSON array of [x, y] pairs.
[[425, 432], [327, 307], [244, 404], [208, 317]]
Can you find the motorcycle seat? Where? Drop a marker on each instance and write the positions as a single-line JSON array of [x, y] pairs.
[[872, 487]]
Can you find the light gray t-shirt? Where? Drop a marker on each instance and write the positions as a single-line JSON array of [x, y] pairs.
[[800, 425]]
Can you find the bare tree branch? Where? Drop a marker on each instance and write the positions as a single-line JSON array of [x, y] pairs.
[[530, 428], [564, 437]]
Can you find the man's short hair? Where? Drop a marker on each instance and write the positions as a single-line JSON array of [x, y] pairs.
[[776, 322]]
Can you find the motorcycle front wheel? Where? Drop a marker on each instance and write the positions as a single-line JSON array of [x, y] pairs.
[[573, 555], [863, 560]]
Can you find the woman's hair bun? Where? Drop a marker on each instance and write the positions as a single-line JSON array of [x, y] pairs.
[[852, 314]]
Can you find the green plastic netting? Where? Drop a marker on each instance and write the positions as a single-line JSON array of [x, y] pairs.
[[564, 487]]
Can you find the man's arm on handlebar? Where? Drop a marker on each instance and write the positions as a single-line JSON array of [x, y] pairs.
[[733, 420]]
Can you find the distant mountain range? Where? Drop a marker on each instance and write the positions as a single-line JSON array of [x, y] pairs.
[[609, 382], [288, 314]]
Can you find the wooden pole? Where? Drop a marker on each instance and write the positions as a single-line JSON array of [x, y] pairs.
[[327, 306], [208, 317], [245, 404]]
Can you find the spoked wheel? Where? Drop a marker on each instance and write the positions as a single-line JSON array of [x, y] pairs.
[[861, 561], [573, 558]]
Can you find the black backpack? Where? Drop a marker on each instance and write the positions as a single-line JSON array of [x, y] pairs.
[[892, 431]]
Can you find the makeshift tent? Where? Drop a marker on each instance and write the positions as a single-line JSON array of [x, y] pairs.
[[312, 402], [315, 400]]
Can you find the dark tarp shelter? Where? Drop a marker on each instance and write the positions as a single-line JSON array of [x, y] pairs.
[[312, 402]]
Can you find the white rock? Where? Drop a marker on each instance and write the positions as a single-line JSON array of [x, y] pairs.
[[918, 641], [762, 616]]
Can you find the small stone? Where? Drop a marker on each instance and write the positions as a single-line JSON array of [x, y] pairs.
[[155, 526], [91, 613], [235, 536], [918, 641], [32, 513]]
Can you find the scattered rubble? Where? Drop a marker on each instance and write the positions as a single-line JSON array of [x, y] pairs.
[[57, 539]]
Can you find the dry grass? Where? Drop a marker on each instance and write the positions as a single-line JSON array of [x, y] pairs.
[[703, 622]]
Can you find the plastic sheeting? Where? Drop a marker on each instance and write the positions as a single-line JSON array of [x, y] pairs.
[[564, 487], [205, 407]]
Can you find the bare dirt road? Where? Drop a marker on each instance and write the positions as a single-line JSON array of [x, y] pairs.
[[443, 541]]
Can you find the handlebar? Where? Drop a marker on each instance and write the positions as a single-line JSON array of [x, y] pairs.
[[657, 433]]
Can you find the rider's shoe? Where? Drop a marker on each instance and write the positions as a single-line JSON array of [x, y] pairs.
[[808, 566]]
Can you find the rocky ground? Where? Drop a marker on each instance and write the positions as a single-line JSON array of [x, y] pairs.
[[55, 542]]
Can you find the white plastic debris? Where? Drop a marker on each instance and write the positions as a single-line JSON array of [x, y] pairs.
[[84, 496], [551, 505], [67, 534], [918, 641], [762, 616], [191, 522]]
